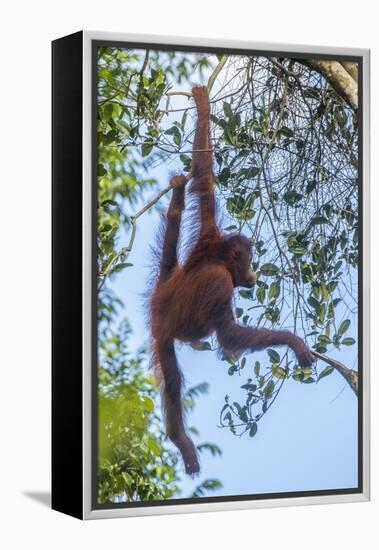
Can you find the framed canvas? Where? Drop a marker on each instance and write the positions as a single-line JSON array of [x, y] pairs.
[[210, 275]]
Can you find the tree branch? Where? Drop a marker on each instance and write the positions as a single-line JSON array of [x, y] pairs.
[[350, 375], [125, 251], [352, 69], [187, 94], [216, 72], [338, 77]]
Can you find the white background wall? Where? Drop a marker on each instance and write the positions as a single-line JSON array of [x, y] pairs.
[[26, 31]]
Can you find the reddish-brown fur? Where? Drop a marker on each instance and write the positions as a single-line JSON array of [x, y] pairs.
[[192, 301]]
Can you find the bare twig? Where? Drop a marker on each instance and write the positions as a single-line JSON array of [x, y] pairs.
[[263, 206], [140, 84], [125, 251], [216, 72], [211, 79], [187, 94]]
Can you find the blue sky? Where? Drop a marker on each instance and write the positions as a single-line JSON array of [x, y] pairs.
[[308, 439]]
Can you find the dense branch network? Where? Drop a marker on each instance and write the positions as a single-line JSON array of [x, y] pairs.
[[279, 128]]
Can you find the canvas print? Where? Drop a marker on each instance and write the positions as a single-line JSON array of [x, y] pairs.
[[228, 228]]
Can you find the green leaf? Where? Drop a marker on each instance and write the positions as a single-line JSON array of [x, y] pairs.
[[327, 370], [287, 132], [160, 77], [274, 291], [313, 302], [248, 172], [298, 250], [343, 327], [127, 478], [201, 346], [324, 292], [218, 121], [227, 110], [175, 132], [212, 448], [292, 197], [269, 270], [260, 294], [120, 267], [239, 312], [101, 171], [108, 110], [236, 204], [257, 367], [110, 137], [253, 429], [153, 446], [279, 372], [309, 380], [230, 228], [149, 403], [348, 341], [307, 371], [297, 375], [273, 355], [269, 389], [243, 415], [312, 92], [109, 201], [303, 375], [318, 220], [146, 148], [186, 161], [105, 228], [322, 313], [249, 387]]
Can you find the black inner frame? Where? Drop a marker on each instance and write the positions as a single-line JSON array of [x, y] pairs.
[[94, 367]]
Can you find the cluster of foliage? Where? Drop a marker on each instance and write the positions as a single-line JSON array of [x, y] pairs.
[[131, 85], [290, 176], [134, 460], [286, 158]]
